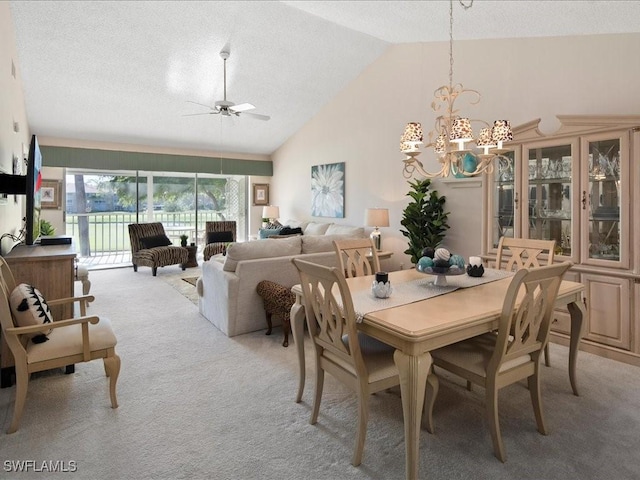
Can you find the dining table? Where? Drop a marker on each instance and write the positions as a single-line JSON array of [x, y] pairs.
[[417, 324]]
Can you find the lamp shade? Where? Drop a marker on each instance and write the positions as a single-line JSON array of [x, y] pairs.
[[484, 139], [501, 131], [376, 217], [461, 129], [411, 137], [270, 212]]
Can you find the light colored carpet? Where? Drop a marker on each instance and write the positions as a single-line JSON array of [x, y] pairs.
[[195, 404]]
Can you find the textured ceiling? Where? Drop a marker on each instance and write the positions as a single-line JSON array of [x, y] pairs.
[[124, 71]]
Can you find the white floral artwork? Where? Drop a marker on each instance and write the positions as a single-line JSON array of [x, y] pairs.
[[327, 190]]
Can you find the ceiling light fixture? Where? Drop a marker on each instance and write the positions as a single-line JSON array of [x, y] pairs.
[[452, 132]]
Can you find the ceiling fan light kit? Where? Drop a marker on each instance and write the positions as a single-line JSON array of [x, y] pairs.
[[225, 107]]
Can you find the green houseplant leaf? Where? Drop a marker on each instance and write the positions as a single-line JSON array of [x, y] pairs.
[[424, 219]]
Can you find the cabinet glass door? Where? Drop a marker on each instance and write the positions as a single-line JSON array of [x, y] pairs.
[[503, 208], [604, 197], [548, 192]]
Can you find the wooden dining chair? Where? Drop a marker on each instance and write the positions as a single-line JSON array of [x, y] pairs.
[[525, 253], [360, 362], [357, 257], [496, 360]]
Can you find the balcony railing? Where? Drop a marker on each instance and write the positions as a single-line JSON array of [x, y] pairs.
[[109, 233]]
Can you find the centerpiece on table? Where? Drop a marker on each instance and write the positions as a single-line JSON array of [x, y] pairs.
[[440, 262]]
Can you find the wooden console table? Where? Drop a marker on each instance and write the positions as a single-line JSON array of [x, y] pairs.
[[51, 270]]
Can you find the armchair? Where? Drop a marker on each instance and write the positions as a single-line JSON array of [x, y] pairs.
[[150, 247], [217, 235], [68, 342]]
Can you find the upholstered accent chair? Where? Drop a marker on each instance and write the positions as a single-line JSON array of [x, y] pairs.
[[66, 341], [150, 247], [218, 234]]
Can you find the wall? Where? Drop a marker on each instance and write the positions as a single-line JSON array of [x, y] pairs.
[[519, 79], [12, 109]]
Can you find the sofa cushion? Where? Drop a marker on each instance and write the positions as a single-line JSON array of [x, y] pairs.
[[320, 243], [335, 229], [291, 231], [267, 248], [315, 228], [155, 241], [30, 308], [216, 237]]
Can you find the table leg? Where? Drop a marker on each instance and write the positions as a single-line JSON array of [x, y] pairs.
[[297, 329], [577, 312], [413, 370]]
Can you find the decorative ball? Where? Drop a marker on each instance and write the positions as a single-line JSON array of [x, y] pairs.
[[428, 252], [425, 262], [442, 254], [441, 263], [457, 260]]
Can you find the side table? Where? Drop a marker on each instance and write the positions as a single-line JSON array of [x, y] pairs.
[[192, 261]]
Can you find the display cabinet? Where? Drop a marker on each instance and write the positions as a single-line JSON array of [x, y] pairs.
[[578, 186]]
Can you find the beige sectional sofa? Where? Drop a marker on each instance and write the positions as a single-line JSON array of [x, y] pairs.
[[227, 288]]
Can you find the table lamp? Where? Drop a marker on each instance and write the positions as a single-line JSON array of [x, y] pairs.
[[376, 217], [270, 212]]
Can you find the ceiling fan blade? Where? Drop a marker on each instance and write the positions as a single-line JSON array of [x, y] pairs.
[[257, 116], [243, 107], [201, 104]]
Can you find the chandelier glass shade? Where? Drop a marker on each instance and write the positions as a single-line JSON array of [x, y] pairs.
[[452, 138]]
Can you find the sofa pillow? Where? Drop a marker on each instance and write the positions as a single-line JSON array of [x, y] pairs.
[[218, 237], [315, 228], [290, 231], [30, 308], [267, 248], [335, 229], [296, 224], [320, 243], [267, 232], [155, 241]]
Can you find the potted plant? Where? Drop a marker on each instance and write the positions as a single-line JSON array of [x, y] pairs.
[[183, 240], [424, 219], [46, 228]]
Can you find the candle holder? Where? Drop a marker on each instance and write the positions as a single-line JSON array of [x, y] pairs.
[[475, 270], [381, 289]]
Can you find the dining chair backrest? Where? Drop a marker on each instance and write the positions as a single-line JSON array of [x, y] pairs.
[[330, 315], [524, 329], [357, 257], [525, 253]]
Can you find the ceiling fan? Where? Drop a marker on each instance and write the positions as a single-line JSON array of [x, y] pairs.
[[225, 107]]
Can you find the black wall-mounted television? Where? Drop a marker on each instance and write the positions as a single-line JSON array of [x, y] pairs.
[[34, 184]]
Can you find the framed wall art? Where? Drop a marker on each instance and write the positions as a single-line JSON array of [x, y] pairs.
[[50, 194], [327, 190], [260, 194]]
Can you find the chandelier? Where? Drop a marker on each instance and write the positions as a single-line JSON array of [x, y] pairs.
[[452, 135]]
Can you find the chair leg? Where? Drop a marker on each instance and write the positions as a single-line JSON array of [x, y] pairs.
[[547, 358], [494, 421], [154, 270], [135, 267], [536, 401], [22, 383], [318, 393], [361, 435], [433, 385], [112, 367]]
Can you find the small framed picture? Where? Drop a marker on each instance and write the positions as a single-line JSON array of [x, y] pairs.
[[260, 194], [50, 194]]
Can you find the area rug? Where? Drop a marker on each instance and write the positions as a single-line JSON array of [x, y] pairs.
[[191, 280], [183, 281]]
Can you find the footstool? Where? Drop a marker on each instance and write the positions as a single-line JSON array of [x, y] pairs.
[[277, 300]]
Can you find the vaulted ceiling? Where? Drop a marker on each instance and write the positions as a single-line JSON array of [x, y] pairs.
[[125, 71]]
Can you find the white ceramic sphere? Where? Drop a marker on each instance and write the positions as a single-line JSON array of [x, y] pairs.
[[442, 254]]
